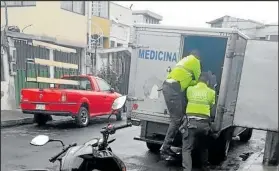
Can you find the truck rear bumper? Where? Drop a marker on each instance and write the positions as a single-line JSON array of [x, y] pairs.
[[150, 116], [57, 113], [148, 140]]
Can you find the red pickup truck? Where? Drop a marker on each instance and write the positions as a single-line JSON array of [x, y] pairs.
[[92, 97]]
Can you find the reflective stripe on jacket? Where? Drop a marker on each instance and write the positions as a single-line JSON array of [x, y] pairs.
[[187, 71], [200, 99]]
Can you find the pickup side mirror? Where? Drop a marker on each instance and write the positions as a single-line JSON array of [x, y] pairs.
[[112, 90]]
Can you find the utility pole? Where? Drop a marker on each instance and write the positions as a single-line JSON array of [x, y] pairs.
[[88, 47], [95, 55], [93, 58]]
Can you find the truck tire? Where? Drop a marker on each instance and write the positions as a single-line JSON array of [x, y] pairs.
[[41, 119], [246, 135], [218, 151], [82, 119], [155, 148], [119, 115]]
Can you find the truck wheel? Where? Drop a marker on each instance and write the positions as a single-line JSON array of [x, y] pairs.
[[220, 147], [82, 118], [41, 119], [246, 135], [153, 147], [119, 116]]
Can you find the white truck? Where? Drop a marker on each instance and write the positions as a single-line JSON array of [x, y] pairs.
[[245, 70]]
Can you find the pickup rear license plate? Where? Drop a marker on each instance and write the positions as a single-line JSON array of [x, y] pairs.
[[40, 107]]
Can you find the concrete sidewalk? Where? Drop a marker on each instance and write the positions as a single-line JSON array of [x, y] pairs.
[[14, 117], [254, 163]]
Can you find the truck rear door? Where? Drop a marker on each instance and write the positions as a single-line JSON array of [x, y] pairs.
[[257, 102], [149, 68]]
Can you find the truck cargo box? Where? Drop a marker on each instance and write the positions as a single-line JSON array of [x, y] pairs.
[[159, 47]]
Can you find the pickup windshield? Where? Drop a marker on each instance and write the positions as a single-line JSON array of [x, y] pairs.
[[84, 84]]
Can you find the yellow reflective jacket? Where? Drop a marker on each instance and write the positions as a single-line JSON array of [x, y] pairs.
[[184, 70], [200, 99]]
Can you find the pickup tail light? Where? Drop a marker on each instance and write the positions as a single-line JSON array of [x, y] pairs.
[[63, 97], [135, 106]]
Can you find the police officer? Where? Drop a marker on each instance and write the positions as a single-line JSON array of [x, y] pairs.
[[201, 98], [185, 73]]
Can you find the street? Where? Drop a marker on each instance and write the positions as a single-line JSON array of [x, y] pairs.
[[18, 154]]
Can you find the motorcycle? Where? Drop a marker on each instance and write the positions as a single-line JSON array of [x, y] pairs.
[[94, 155]]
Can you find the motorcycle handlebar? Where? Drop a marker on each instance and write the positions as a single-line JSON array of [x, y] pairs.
[[54, 158]]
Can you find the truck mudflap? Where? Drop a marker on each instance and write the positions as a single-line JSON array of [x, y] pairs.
[[149, 116]]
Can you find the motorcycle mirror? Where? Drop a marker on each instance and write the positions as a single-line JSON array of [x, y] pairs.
[[119, 102], [40, 140]]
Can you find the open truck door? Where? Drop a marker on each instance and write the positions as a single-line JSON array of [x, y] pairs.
[[257, 102]]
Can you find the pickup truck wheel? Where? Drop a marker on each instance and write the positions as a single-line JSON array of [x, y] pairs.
[[155, 148], [41, 119], [119, 115], [82, 118], [246, 135]]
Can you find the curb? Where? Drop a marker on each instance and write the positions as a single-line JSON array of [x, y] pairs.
[[11, 123]]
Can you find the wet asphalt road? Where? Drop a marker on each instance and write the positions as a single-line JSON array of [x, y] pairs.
[[17, 153]]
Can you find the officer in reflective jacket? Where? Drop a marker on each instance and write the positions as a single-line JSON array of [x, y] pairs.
[[201, 98], [185, 73]]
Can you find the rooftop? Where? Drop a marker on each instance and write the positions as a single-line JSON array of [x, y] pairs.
[[149, 13], [238, 19]]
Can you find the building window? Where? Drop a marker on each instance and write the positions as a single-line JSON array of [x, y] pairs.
[[112, 43], [119, 44], [273, 38], [74, 6], [100, 9], [18, 3]]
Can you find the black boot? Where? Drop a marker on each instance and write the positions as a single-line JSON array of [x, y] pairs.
[[166, 153], [205, 168]]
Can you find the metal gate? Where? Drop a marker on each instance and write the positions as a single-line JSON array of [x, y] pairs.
[[116, 71], [24, 51], [72, 58]]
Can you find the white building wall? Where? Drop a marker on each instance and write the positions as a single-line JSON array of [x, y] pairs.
[[8, 100], [138, 19], [120, 34], [123, 14], [122, 21]]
